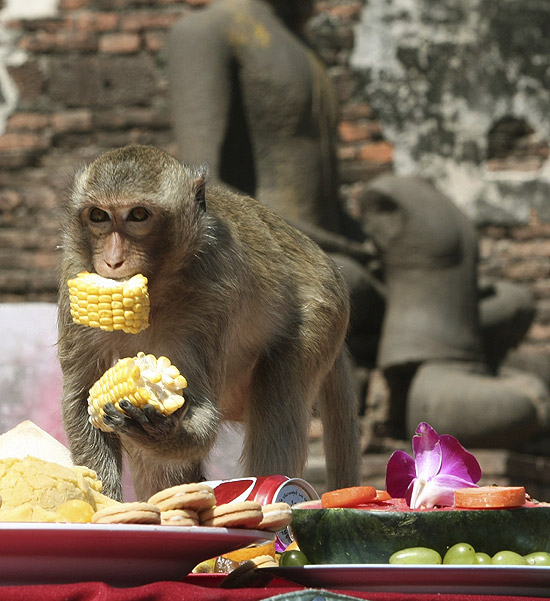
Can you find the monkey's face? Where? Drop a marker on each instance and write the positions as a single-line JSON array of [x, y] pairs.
[[122, 238], [135, 210]]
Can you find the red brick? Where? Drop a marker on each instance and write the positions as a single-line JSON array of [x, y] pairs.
[[344, 12], [96, 22], [9, 200], [47, 25], [354, 110], [357, 132], [72, 121], [539, 332], [377, 152], [28, 79], [120, 43], [65, 5], [531, 231], [526, 271], [148, 20], [535, 248], [127, 117], [154, 40], [32, 121], [347, 153], [57, 42], [23, 141]]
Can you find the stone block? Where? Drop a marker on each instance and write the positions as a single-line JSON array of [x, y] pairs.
[[119, 43], [102, 81], [140, 21], [72, 121]]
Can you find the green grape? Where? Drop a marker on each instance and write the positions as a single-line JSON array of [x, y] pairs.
[[293, 558], [538, 558], [509, 558], [482, 559], [422, 555], [461, 553]]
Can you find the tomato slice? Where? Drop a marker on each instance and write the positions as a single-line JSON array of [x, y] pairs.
[[490, 497], [348, 497]]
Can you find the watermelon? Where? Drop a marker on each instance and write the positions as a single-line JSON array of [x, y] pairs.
[[372, 533]]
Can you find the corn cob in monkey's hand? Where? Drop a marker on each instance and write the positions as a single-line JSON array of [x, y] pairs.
[[100, 302], [142, 380]]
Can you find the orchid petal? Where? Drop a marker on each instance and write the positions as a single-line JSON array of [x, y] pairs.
[[415, 493], [440, 491], [400, 472], [456, 460], [430, 495], [427, 451]]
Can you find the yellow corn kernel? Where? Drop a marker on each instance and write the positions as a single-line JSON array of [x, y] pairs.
[[109, 304], [141, 380]]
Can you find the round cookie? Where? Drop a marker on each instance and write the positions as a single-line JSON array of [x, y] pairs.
[[247, 514], [196, 496], [179, 517], [128, 513], [276, 516], [265, 561]]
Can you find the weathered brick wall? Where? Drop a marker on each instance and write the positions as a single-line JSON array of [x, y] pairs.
[[93, 76]]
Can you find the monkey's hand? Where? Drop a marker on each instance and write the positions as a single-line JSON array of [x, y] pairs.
[[144, 423]]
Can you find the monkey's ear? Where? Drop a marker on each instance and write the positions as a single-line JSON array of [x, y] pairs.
[[199, 186]]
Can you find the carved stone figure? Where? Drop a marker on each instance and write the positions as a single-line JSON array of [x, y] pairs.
[[253, 100], [432, 347]]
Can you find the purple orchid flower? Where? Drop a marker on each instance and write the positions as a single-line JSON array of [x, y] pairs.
[[440, 466]]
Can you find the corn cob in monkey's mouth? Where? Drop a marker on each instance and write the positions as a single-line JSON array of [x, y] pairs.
[[100, 302], [142, 380]]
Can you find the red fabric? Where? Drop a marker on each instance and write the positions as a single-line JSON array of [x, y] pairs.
[[182, 591]]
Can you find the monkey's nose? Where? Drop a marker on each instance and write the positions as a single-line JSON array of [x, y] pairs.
[[114, 265]]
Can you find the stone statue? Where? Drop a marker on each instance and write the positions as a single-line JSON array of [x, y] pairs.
[[433, 346], [251, 99]]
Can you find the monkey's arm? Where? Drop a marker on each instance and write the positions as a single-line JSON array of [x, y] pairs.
[[199, 73], [90, 447]]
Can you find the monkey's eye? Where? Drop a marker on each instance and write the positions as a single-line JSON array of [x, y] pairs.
[[138, 214], [98, 215]]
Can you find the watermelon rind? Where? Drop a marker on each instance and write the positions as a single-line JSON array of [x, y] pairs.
[[360, 536]]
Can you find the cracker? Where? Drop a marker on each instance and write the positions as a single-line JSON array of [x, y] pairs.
[[247, 514], [179, 517], [265, 561], [195, 496], [128, 513], [276, 516]]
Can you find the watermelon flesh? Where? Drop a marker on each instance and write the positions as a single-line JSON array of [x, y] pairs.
[[372, 533]]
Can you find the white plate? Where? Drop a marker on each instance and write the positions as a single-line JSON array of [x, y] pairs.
[[119, 554], [489, 580]]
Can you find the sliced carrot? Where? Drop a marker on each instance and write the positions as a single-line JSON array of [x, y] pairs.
[[348, 497], [382, 495], [490, 497]]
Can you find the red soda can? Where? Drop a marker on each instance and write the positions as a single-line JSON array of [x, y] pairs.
[[265, 490]]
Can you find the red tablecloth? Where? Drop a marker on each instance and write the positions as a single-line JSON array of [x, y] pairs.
[[183, 591]]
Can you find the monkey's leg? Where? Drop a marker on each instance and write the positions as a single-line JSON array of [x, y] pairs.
[[278, 415], [338, 407], [150, 474]]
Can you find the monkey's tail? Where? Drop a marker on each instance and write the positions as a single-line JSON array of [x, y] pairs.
[[339, 412]]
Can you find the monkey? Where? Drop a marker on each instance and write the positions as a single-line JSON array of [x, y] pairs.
[[252, 312]]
